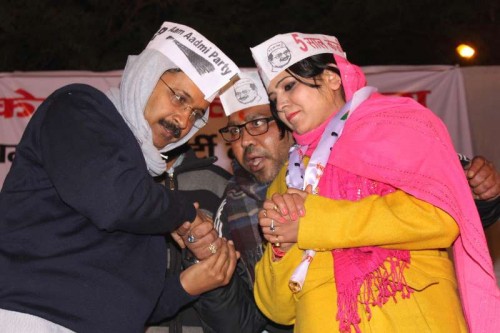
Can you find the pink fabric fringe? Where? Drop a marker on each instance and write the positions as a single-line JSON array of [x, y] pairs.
[[375, 287], [363, 268]]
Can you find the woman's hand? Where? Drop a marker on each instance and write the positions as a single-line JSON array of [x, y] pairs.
[[275, 227], [280, 215], [279, 218], [291, 203]]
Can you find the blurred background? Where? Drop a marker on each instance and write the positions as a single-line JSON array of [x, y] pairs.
[[98, 34]]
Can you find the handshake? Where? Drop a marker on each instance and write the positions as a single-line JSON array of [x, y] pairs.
[[216, 257]]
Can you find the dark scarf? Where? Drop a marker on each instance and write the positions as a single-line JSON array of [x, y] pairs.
[[244, 198]]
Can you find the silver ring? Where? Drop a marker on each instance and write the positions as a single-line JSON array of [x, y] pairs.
[[212, 248], [191, 239], [265, 213], [272, 227]]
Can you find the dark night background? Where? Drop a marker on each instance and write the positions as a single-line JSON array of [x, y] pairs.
[[99, 34]]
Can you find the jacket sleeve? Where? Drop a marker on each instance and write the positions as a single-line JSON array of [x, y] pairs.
[[171, 300], [231, 308], [271, 291], [97, 167], [397, 220], [489, 211]]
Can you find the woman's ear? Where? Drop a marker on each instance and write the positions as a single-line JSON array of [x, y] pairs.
[[332, 79]]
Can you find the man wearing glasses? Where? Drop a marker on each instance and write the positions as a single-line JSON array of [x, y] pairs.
[[82, 222], [260, 148]]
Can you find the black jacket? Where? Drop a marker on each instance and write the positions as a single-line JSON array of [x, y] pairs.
[[232, 308], [201, 181], [82, 223]]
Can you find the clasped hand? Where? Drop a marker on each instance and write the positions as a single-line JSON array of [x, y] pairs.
[[217, 256], [280, 215]]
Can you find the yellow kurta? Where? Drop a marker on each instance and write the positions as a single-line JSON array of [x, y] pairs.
[[396, 221]]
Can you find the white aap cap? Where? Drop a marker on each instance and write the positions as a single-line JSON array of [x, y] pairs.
[[280, 52], [203, 62], [248, 91]]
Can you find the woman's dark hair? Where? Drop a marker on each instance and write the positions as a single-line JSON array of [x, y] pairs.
[[281, 125], [309, 68], [173, 70]]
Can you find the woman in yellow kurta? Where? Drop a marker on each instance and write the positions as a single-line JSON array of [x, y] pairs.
[[396, 220], [359, 220]]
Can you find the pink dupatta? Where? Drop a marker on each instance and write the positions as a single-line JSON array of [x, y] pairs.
[[398, 141], [359, 271]]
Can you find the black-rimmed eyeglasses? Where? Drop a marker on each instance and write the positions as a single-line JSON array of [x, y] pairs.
[[254, 127], [179, 101]]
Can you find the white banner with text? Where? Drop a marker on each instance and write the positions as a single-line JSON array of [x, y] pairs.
[[439, 88]]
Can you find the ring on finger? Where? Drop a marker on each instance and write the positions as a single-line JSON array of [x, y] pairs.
[[265, 213], [212, 248], [272, 227], [191, 239]]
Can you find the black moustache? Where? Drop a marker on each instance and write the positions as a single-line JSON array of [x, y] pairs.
[[249, 149], [176, 131]]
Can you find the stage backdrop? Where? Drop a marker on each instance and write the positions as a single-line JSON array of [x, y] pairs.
[[440, 88]]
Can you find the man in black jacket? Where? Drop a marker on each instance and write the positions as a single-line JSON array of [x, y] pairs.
[[82, 221], [260, 148], [203, 182]]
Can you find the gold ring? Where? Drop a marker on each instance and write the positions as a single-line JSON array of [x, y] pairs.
[[212, 248], [275, 207], [277, 243]]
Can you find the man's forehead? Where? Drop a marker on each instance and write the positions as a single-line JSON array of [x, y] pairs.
[[254, 112]]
